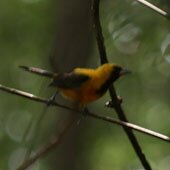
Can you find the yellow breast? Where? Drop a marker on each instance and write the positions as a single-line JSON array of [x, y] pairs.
[[81, 95], [87, 92]]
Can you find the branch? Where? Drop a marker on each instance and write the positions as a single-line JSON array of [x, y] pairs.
[[154, 8], [113, 95], [44, 150], [98, 32], [90, 114]]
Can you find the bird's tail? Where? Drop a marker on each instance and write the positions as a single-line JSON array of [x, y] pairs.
[[38, 71]]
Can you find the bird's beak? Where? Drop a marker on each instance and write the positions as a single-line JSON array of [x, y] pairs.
[[124, 71]]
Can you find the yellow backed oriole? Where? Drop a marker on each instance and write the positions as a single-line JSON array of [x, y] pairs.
[[83, 85]]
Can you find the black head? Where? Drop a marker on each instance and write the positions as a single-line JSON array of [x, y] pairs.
[[118, 71]]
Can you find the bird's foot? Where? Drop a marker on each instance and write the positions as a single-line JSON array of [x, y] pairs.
[[51, 100], [84, 114], [85, 111]]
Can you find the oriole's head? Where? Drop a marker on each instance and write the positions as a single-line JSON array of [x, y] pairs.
[[108, 74], [113, 70]]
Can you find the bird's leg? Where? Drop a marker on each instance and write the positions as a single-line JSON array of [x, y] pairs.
[[83, 116], [85, 111], [111, 103], [52, 98]]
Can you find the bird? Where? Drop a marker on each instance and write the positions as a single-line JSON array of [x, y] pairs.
[[83, 85]]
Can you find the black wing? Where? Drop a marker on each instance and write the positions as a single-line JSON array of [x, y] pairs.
[[69, 80]]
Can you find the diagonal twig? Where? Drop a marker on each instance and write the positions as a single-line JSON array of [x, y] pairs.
[[90, 114], [44, 150], [154, 8], [113, 95]]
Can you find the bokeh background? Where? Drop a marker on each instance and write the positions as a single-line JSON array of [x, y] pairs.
[[58, 35]]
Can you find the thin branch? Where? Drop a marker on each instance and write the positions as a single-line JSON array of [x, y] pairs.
[[154, 8], [90, 114], [98, 31], [113, 95], [44, 150]]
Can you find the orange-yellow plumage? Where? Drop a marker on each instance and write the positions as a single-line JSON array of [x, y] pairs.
[[83, 85], [87, 91]]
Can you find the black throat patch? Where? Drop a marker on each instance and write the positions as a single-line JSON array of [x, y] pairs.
[[115, 74]]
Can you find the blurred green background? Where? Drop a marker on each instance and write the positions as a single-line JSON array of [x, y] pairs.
[[58, 35]]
